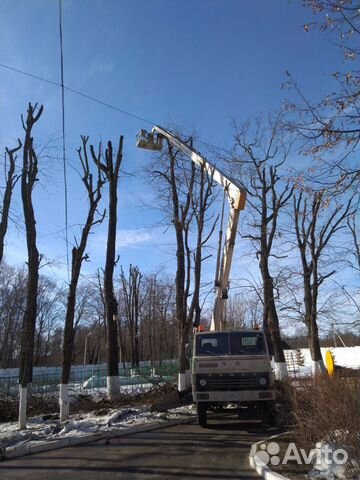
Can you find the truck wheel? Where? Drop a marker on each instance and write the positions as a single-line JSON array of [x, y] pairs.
[[201, 414]]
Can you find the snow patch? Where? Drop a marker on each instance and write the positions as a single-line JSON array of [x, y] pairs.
[[64, 402], [113, 386], [44, 429], [22, 407], [318, 367], [281, 370], [329, 470]]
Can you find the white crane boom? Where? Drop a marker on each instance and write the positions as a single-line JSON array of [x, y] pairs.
[[236, 196]]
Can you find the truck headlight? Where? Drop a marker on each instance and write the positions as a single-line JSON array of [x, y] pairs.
[[202, 382], [262, 381]]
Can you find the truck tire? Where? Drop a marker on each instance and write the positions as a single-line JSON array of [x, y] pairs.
[[201, 414]]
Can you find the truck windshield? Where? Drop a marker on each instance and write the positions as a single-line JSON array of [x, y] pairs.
[[230, 343]]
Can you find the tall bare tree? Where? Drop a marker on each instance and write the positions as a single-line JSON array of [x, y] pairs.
[[131, 294], [29, 177], [188, 192], [111, 171], [331, 124], [146, 318], [201, 200], [13, 284], [11, 179], [354, 261], [313, 234], [158, 322], [261, 154], [94, 192], [49, 311]]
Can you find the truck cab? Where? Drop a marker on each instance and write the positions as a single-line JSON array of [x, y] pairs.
[[233, 370]]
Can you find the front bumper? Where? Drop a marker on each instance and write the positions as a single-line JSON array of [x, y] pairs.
[[236, 397]]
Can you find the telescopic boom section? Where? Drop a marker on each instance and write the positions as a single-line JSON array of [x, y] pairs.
[[236, 196]]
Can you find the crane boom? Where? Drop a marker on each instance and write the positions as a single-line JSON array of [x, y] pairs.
[[236, 196]]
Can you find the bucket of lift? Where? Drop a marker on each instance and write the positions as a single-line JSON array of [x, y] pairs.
[[149, 140]]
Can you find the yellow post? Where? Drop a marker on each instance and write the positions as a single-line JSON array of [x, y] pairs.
[[330, 364]]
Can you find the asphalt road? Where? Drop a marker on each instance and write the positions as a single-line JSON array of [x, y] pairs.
[[186, 451]]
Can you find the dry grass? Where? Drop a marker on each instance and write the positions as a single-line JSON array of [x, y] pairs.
[[291, 469], [328, 409], [320, 409]]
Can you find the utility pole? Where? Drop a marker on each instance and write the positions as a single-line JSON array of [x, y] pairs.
[[333, 334]]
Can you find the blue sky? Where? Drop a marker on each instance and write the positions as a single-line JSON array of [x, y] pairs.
[[196, 63]]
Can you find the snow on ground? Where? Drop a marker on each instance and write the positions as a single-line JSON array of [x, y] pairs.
[[344, 357], [39, 429], [329, 470], [99, 392]]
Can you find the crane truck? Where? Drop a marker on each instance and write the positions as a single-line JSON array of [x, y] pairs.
[[230, 370]]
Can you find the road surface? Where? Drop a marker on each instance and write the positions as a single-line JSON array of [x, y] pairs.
[[186, 451]]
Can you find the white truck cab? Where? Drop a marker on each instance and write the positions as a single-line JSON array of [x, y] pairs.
[[233, 369]]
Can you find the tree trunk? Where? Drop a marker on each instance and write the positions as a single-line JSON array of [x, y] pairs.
[[28, 179], [271, 321], [68, 344], [180, 312], [11, 180], [111, 170], [78, 256], [312, 239], [315, 351], [318, 366]]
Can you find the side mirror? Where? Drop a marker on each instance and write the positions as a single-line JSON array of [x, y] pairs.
[[188, 351]]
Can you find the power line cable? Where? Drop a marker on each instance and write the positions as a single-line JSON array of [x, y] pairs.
[[101, 102], [63, 139], [77, 92]]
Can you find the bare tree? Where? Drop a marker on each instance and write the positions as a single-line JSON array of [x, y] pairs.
[[131, 294], [28, 181], [188, 193], [94, 192], [244, 310], [150, 325], [13, 285], [313, 236], [11, 179], [201, 200], [349, 295], [87, 321], [111, 171], [147, 328], [331, 124], [49, 312], [261, 154], [355, 250], [158, 330]]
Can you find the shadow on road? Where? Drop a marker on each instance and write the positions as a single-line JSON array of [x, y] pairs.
[[186, 451]]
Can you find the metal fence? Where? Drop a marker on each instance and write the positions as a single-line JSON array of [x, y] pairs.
[[87, 378]]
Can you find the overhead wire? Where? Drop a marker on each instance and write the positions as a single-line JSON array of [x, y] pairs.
[[99, 101], [63, 139], [77, 92]]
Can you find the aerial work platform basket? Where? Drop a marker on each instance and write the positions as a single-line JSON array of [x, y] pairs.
[[149, 140]]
